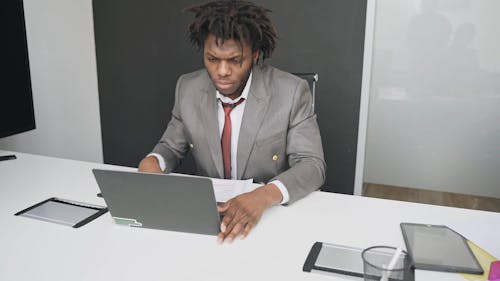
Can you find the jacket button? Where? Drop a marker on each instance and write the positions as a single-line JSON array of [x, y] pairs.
[[275, 157]]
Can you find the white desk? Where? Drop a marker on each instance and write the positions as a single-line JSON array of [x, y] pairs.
[[274, 250]]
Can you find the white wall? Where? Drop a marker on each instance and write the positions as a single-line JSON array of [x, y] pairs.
[[434, 114], [61, 47]]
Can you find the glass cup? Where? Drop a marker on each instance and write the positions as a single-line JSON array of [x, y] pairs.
[[376, 261]]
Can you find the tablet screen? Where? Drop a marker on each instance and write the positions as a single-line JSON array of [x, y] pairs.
[[437, 247], [341, 258]]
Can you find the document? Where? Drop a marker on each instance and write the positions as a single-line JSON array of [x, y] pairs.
[[227, 189]]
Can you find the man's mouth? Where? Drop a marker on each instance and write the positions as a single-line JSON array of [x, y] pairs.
[[221, 85]]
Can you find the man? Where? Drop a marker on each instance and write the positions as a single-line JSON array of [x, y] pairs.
[[240, 119]]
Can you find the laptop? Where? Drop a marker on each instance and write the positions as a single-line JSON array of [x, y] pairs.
[[160, 201]]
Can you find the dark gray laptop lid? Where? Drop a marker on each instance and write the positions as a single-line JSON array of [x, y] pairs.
[[159, 201]]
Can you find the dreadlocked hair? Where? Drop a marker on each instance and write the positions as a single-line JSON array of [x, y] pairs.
[[238, 20]]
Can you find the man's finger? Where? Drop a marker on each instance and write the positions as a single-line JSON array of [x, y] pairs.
[[220, 237], [246, 230], [238, 218], [234, 232], [223, 207], [228, 218]]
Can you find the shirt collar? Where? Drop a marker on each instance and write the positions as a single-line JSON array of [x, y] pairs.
[[244, 94]]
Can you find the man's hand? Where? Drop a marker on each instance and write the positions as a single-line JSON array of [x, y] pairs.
[[150, 165], [243, 212]]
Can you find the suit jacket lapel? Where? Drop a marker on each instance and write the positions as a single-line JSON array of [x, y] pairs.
[[255, 109], [208, 107]]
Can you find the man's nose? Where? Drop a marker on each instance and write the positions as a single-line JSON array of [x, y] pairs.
[[223, 69]]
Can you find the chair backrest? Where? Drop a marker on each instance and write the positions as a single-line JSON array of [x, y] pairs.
[[311, 79]]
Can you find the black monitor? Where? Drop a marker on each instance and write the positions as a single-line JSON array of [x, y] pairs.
[[16, 102]]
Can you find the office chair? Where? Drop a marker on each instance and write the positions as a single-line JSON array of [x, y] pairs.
[[311, 79]]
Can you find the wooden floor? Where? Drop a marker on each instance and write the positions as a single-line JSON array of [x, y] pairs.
[[431, 197]]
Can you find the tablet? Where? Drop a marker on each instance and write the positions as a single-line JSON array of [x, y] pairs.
[[334, 259], [439, 248], [62, 211], [342, 260]]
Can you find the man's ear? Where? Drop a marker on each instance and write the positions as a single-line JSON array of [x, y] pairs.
[[255, 57]]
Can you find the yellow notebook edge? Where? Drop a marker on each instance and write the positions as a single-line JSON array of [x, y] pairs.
[[484, 258]]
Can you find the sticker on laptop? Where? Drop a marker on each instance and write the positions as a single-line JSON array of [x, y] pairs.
[[127, 222]]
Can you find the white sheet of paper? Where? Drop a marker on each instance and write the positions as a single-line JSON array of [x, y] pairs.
[[227, 189]]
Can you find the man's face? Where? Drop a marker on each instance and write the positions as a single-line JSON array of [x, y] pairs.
[[229, 64]]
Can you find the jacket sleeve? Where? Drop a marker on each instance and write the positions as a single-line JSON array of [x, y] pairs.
[[304, 149], [173, 145]]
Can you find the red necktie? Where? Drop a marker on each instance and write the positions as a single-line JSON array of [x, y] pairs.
[[226, 137]]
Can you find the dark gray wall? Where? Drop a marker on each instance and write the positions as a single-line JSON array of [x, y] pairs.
[[142, 50]]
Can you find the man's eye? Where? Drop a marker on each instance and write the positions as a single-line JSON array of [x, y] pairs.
[[235, 60], [212, 59]]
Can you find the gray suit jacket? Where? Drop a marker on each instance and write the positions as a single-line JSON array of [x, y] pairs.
[[279, 136]]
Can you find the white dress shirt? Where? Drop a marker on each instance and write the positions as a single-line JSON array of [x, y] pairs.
[[236, 117]]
